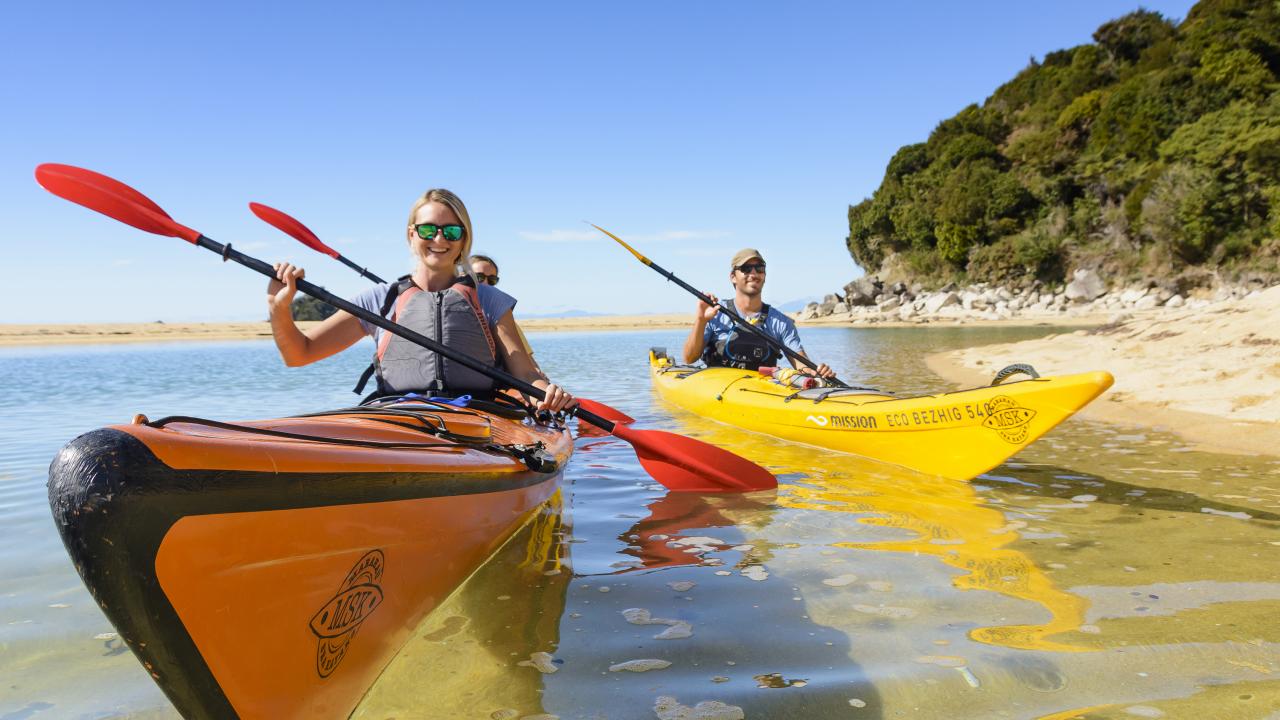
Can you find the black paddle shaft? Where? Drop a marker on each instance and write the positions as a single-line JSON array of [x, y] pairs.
[[739, 320], [363, 271], [319, 293]]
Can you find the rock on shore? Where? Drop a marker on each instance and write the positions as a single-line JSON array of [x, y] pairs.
[[867, 301]]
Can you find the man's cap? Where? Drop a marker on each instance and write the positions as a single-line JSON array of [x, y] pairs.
[[744, 255]]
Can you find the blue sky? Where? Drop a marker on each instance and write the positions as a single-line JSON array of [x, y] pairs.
[[690, 129]]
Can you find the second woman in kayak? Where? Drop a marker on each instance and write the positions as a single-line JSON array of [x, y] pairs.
[[439, 299]]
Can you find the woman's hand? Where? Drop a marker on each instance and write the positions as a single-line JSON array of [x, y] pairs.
[[284, 286], [705, 311], [556, 399]]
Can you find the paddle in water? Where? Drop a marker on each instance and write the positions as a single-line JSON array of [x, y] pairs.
[[733, 314], [290, 226], [679, 463]]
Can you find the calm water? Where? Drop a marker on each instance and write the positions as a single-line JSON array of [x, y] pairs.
[[1106, 572]]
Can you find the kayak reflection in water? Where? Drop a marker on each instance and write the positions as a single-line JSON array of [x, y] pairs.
[[439, 299], [719, 343]]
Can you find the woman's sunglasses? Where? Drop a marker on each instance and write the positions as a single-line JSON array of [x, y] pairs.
[[749, 268], [427, 231], [490, 279]]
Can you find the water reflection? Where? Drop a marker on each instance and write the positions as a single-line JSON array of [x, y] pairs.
[[693, 590], [459, 662], [925, 516], [946, 519], [661, 539], [1086, 586]]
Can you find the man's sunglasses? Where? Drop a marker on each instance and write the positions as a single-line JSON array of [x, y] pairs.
[[427, 231], [748, 268], [490, 279]]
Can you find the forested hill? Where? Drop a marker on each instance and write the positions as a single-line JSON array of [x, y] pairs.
[[1153, 152]]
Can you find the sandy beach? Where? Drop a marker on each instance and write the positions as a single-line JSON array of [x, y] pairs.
[[608, 322], [60, 334], [131, 332], [1211, 375]]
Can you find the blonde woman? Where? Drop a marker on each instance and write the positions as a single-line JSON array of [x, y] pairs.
[[439, 299]]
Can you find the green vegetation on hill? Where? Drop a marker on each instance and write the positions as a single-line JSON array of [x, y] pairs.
[[1151, 153], [305, 307]]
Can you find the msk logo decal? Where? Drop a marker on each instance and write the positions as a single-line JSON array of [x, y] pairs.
[[335, 624], [1009, 419], [818, 420]]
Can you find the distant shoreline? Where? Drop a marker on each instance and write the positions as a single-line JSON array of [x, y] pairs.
[[36, 334], [93, 333], [15, 335], [607, 322]]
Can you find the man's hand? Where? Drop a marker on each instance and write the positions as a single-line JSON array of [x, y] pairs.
[[705, 311], [822, 371]]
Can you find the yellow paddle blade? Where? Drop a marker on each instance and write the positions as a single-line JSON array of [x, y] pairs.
[[632, 250]]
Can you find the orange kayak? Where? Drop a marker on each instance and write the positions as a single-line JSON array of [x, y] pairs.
[[271, 569]]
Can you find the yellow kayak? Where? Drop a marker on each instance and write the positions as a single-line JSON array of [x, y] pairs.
[[957, 435]]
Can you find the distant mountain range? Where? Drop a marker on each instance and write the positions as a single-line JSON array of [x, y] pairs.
[[789, 307], [562, 314], [797, 305]]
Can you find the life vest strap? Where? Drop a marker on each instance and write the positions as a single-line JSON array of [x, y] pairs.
[[392, 293], [473, 298]]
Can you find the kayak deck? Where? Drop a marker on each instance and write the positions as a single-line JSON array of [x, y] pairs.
[[958, 435], [273, 568]]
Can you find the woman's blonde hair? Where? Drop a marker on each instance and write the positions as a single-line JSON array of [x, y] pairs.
[[454, 203]]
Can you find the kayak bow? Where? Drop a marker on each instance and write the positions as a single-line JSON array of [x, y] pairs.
[[273, 568]]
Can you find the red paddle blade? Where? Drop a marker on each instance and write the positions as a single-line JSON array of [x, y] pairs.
[[108, 183], [111, 198], [687, 465], [608, 413], [291, 227]]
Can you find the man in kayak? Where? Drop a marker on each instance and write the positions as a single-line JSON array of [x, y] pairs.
[[717, 341], [439, 299]]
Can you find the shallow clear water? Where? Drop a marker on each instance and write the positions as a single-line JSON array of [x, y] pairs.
[[1104, 572]]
